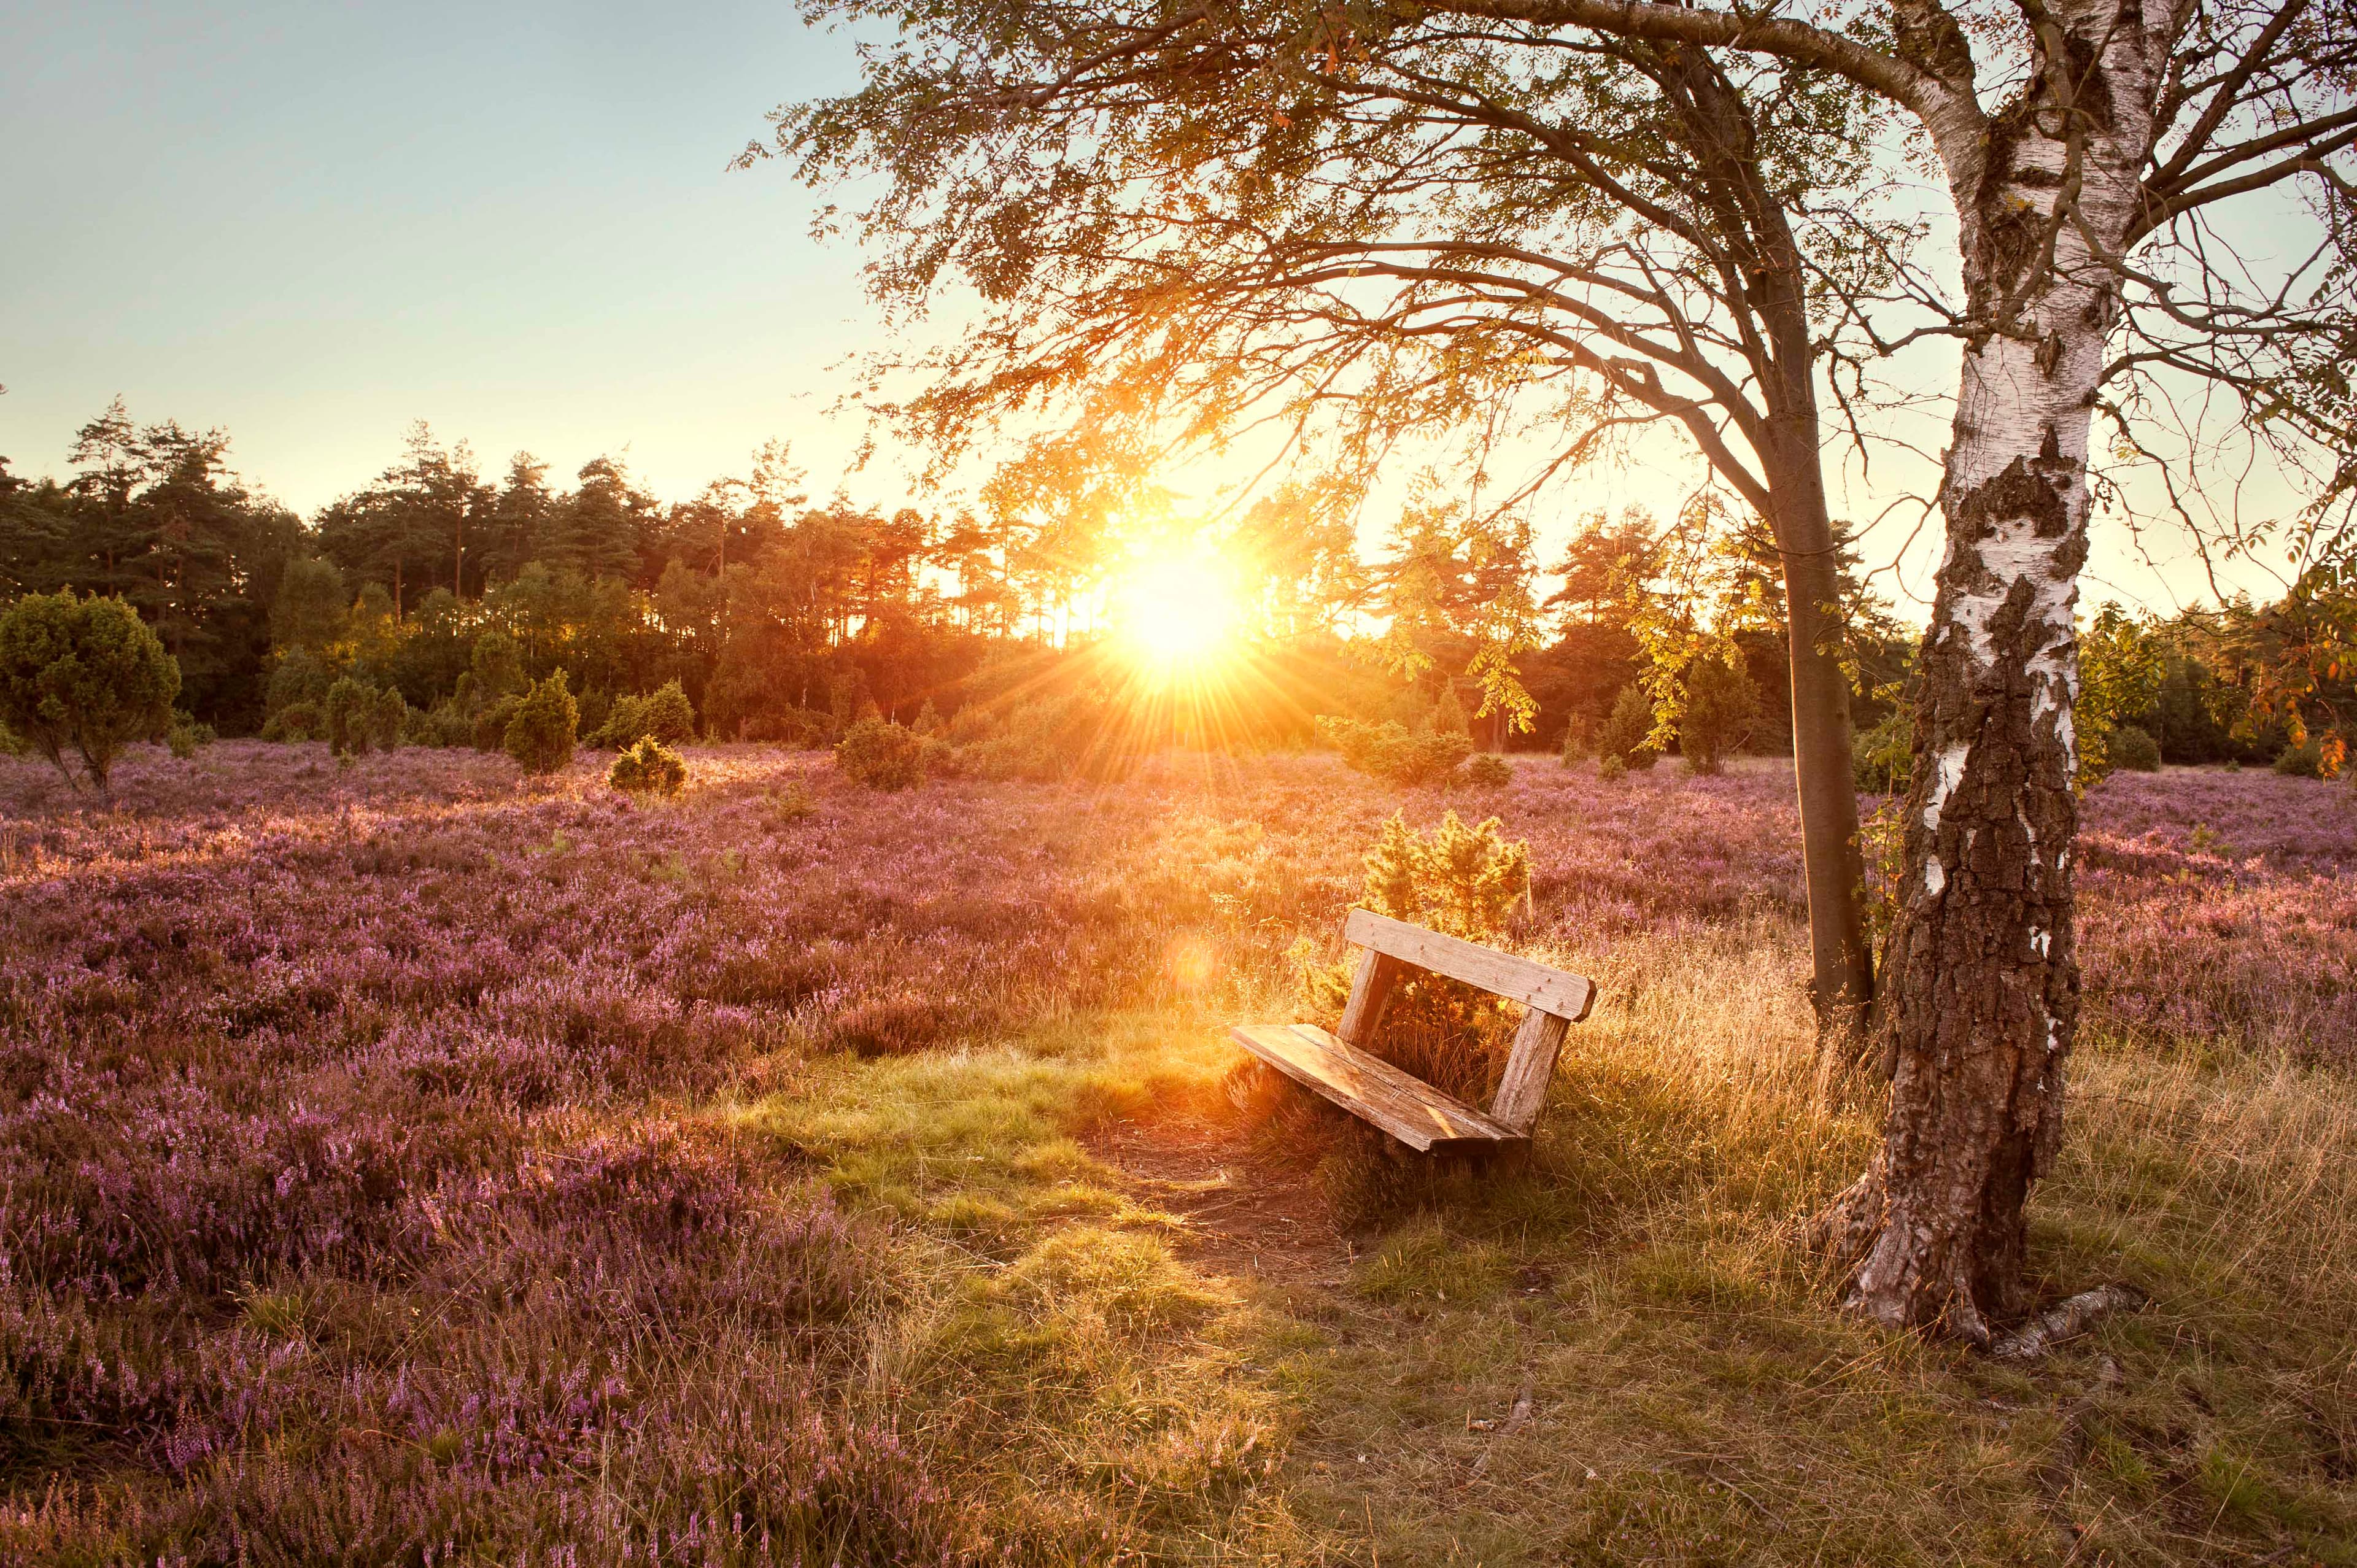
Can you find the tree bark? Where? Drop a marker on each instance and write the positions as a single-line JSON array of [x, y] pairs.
[[1980, 980], [1842, 959]]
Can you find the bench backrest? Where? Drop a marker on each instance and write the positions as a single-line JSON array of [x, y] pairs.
[[1557, 999], [1566, 995]]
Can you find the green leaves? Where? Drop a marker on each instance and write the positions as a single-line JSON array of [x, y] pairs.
[[1463, 880], [540, 734], [82, 678]]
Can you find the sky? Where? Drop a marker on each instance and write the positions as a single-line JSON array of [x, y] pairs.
[[311, 224]]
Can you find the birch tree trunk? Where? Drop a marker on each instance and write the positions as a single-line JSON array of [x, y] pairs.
[[1980, 979]]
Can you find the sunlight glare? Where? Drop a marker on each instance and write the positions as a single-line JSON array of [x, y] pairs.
[[1177, 610]]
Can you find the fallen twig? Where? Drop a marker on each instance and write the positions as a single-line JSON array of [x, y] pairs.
[[1516, 1418]]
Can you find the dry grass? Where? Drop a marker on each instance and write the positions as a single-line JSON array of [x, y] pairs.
[[1693, 1401]]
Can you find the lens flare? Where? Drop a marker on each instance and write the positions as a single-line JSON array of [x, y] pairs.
[[1177, 610]]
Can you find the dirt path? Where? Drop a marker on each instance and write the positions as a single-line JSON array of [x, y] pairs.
[[1247, 1216]]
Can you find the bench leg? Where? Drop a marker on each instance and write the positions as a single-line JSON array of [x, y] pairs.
[[1370, 989], [1523, 1089]]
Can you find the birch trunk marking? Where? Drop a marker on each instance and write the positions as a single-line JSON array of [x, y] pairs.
[[1980, 974]]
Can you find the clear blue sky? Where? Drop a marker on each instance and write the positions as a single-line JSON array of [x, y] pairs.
[[312, 224]]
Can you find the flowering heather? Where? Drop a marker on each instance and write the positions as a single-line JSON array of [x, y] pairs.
[[368, 1181], [2223, 907]]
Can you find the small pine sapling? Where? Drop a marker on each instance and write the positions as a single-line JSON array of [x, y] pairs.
[[1487, 771], [84, 677], [1461, 880], [1625, 732], [648, 768], [669, 716], [541, 734], [881, 754], [1722, 705], [1392, 751]]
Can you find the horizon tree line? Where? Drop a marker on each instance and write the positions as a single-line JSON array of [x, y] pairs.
[[757, 599]]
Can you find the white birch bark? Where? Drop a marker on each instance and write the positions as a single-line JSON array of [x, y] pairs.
[[1981, 979]]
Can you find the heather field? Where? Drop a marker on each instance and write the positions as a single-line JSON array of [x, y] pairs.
[[404, 1164]]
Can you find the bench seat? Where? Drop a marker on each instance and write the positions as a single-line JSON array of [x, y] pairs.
[[1424, 1118], [1370, 1088]]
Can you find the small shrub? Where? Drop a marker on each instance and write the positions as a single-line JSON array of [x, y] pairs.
[[295, 722], [1722, 705], [1611, 770], [2133, 747], [929, 721], [84, 677], [649, 767], [1488, 772], [2318, 756], [1881, 758], [350, 710], [625, 722], [490, 728], [881, 754], [790, 804], [541, 734], [1390, 750], [1461, 880], [1625, 732], [187, 736], [670, 717], [1576, 742]]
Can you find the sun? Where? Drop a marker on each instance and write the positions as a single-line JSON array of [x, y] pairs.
[[1177, 610]]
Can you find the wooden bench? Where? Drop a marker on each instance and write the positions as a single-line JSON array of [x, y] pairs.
[[1400, 1104]]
